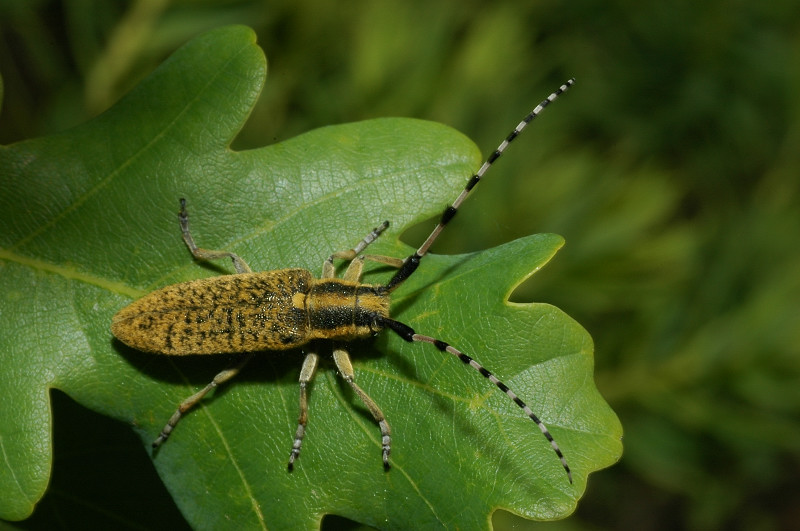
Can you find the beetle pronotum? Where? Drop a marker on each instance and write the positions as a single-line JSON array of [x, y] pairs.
[[287, 308]]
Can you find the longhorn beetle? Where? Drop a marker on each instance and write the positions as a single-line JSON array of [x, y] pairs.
[[287, 308]]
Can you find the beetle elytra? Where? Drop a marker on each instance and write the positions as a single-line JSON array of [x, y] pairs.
[[285, 309]]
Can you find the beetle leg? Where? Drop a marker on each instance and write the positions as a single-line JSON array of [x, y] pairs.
[[327, 266], [205, 254], [306, 375], [342, 360], [190, 402]]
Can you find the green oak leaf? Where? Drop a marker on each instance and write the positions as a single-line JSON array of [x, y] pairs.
[[88, 223]]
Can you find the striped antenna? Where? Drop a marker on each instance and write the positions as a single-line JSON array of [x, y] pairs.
[[412, 262], [408, 334]]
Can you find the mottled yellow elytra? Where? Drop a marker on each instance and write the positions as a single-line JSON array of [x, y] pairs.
[[285, 309], [248, 312]]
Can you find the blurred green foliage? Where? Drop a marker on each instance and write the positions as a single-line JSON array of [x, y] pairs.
[[672, 170]]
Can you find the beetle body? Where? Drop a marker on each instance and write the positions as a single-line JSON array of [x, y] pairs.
[[250, 312]]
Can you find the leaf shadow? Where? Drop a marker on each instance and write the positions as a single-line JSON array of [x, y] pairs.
[[408, 300], [200, 369]]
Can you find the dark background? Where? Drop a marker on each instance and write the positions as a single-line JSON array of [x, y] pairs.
[[671, 168]]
